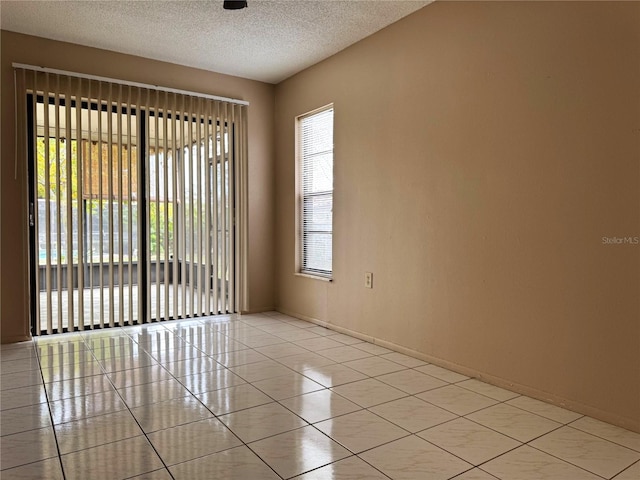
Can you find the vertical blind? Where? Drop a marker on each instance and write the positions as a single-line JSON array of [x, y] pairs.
[[316, 209], [137, 201]]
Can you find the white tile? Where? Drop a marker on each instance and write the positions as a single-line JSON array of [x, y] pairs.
[[69, 371], [323, 331], [223, 345], [468, 440], [368, 393], [9, 354], [345, 353], [22, 397], [298, 451], [526, 463], [158, 340], [262, 340], [139, 376], [281, 350], [515, 423], [320, 405], [351, 468], [333, 375], [117, 364], [475, 474], [261, 370], [19, 365], [360, 431], [240, 332], [412, 414], [320, 343], [110, 342], [149, 393], [234, 330], [260, 422], [297, 335], [162, 474], [304, 361], [170, 413], [27, 447], [183, 352], [122, 459], [275, 328], [403, 359], [238, 463], [239, 357], [10, 381], [124, 350], [544, 409], [78, 387], [26, 418], [411, 381], [412, 458], [631, 473], [55, 361], [61, 348], [456, 399], [372, 348], [487, 390], [49, 469], [374, 366], [259, 320], [76, 408], [297, 322], [94, 431], [192, 440], [18, 350], [345, 339], [212, 380], [232, 399], [587, 451], [442, 373], [286, 386], [192, 366], [609, 432]]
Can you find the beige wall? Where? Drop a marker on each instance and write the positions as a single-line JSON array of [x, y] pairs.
[[13, 236], [482, 151]]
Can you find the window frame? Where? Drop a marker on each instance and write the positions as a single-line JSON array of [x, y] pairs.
[[301, 197]]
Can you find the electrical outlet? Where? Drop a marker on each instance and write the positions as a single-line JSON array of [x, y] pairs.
[[368, 279]]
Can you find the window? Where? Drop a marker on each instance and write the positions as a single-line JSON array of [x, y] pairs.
[[315, 157]]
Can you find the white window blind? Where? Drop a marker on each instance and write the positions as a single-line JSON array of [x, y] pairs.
[[316, 209]]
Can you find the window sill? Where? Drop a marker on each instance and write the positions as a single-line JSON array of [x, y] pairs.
[[314, 277]]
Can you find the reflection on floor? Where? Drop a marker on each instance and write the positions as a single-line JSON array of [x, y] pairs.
[[272, 397], [164, 298]]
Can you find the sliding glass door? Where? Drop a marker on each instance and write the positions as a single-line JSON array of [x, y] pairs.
[[132, 200]]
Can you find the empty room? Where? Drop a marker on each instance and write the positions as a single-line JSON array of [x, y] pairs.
[[320, 239]]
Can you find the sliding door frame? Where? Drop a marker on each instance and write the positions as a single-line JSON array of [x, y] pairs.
[[143, 114]]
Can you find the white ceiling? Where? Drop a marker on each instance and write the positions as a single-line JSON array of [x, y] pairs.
[[268, 41]]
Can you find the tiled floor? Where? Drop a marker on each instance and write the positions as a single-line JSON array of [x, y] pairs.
[[269, 396]]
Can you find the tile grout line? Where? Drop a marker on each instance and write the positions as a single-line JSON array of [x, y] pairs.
[[53, 428], [214, 416], [308, 424], [134, 419]]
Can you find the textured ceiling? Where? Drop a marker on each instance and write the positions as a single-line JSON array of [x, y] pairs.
[[269, 41]]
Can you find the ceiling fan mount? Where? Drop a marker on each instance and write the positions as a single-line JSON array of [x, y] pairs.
[[234, 4]]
